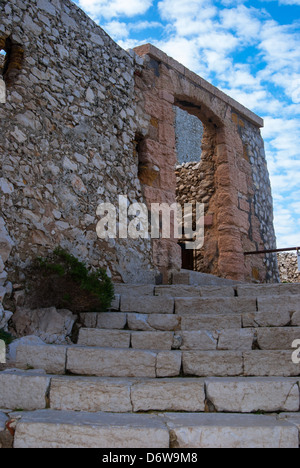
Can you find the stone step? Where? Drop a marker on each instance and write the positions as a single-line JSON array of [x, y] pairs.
[[244, 339], [195, 291], [268, 290], [27, 391], [162, 340], [174, 322], [101, 362], [109, 362], [65, 429], [167, 322]]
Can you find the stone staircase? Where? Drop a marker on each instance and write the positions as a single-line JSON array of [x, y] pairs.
[[180, 366]]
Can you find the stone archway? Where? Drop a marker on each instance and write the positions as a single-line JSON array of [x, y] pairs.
[[231, 224]]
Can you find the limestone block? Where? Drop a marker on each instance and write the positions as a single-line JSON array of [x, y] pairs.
[[134, 289], [164, 322], [62, 429], [115, 305], [185, 306], [230, 431], [168, 395], [252, 394], [278, 304], [147, 304], [152, 340], [89, 319], [168, 364], [111, 320], [210, 322], [296, 319], [236, 339], [217, 291], [104, 338], [51, 358], [201, 339], [277, 338], [270, 363], [104, 362], [266, 319], [212, 363], [90, 394], [268, 290], [23, 390], [139, 322], [177, 291]]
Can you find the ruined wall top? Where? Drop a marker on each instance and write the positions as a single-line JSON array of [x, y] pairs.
[[158, 55]]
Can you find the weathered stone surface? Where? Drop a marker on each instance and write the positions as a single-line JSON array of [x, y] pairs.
[[51, 358], [134, 289], [90, 394], [266, 319], [210, 322], [147, 304], [111, 320], [89, 319], [62, 429], [23, 390], [212, 306], [104, 338], [277, 338], [177, 291], [249, 395], [168, 363], [288, 267], [152, 340], [105, 362], [268, 290], [217, 291], [212, 363], [230, 431], [296, 319], [148, 322], [278, 304], [51, 325], [202, 339], [168, 395], [236, 339], [270, 363], [26, 340]]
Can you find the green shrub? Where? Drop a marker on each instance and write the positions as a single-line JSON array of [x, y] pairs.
[[6, 337], [62, 281]]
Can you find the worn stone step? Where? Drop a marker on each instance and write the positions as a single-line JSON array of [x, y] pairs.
[[147, 304], [63, 429], [32, 390], [164, 322], [253, 394], [203, 305], [267, 290], [195, 291], [66, 429], [230, 431], [278, 304], [124, 339], [254, 363], [102, 362]]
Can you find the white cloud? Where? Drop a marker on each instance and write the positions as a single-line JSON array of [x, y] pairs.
[[117, 30], [113, 8]]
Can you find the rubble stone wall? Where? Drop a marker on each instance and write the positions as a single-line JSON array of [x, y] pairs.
[[288, 268], [67, 139]]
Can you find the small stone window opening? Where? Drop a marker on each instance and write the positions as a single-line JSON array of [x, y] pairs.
[[2, 82], [11, 60]]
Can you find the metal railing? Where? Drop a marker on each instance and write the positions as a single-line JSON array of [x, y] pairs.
[[258, 252]]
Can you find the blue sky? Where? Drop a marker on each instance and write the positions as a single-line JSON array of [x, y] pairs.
[[250, 50]]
